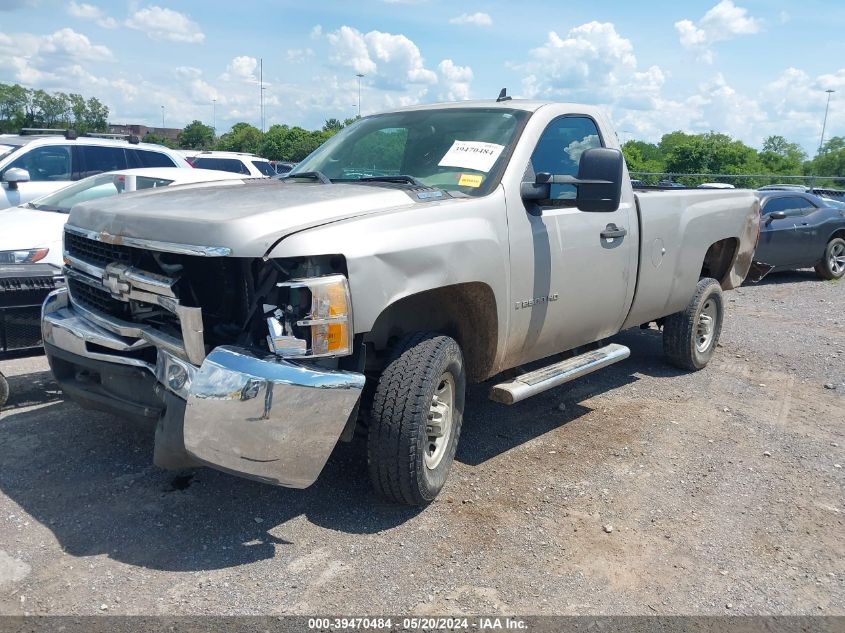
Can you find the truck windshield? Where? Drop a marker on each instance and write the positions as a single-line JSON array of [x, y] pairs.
[[460, 150]]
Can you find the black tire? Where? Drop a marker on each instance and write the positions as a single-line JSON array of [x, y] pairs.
[[398, 434], [826, 268], [682, 342], [4, 390]]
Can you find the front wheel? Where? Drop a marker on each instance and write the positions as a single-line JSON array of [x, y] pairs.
[[415, 418], [4, 390], [832, 265], [690, 336]]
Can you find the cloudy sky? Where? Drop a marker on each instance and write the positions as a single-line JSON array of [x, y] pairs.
[[749, 68]]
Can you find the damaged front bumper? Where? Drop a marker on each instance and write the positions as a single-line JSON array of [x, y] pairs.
[[259, 417]]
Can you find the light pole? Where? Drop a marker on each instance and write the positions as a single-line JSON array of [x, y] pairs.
[[214, 116], [829, 92], [162, 117], [359, 76]]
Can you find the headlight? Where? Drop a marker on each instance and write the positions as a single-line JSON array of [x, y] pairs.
[[313, 318], [23, 257]]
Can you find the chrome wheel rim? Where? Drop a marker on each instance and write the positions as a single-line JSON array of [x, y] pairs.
[[438, 426], [837, 259], [706, 326]]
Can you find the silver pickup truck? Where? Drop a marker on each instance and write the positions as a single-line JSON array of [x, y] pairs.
[[258, 323]]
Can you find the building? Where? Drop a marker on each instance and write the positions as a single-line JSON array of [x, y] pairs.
[[141, 131]]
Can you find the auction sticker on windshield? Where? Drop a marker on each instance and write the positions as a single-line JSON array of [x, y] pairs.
[[472, 155]]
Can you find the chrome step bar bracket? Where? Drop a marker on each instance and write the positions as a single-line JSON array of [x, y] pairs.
[[551, 376]]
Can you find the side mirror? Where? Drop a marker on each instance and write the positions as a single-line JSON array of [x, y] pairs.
[[600, 170], [775, 215], [15, 175], [599, 181]]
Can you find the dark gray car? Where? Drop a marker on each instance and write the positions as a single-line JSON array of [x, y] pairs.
[[801, 230]]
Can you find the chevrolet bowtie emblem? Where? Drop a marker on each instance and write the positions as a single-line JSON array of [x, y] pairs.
[[115, 283]]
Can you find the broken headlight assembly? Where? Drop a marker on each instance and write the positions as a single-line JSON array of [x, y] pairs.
[[312, 318]]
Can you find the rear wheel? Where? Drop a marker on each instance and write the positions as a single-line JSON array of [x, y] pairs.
[[832, 265], [415, 419], [690, 336]]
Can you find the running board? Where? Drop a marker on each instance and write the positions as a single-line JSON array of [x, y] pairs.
[[545, 378]]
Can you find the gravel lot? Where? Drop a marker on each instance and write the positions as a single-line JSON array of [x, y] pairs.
[[638, 490]]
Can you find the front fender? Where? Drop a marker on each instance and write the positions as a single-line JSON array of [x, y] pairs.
[[393, 255]]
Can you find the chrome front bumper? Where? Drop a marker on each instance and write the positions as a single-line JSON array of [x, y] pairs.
[[258, 417]]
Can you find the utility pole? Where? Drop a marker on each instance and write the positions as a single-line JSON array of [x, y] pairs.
[[359, 76], [162, 117], [829, 92], [261, 82], [214, 116]]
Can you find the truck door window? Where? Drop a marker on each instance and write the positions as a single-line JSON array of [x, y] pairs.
[[559, 151], [45, 163]]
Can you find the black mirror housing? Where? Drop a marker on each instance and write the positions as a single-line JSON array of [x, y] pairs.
[[605, 165], [776, 215]]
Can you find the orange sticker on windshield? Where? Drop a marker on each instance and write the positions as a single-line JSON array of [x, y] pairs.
[[470, 180]]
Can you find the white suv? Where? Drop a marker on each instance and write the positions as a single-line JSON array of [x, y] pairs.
[[235, 162], [33, 164]]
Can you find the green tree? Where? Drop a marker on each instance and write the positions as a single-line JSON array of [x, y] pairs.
[[13, 102], [333, 126], [243, 137], [196, 135], [830, 161], [782, 157], [159, 140]]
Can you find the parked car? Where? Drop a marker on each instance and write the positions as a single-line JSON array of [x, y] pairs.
[[716, 185], [784, 187], [248, 333], [801, 230], [36, 162], [283, 168], [31, 255], [235, 162], [32, 232]]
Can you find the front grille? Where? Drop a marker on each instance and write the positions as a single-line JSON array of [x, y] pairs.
[[98, 253], [20, 328], [18, 284], [99, 300]]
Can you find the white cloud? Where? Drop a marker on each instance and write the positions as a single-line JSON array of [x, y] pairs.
[[316, 32], [166, 24], [454, 80], [722, 22], [241, 68], [475, 19], [589, 64], [299, 55], [393, 61], [89, 12]]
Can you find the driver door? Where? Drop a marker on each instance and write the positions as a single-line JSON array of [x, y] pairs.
[[570, 285]]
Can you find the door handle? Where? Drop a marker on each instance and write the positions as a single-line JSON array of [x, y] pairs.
[[611, 231]]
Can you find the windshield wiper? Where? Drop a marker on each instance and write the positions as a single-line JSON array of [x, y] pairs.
[[313, 175], [401, 178]]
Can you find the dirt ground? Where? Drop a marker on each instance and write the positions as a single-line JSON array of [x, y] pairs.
[[637, 490]]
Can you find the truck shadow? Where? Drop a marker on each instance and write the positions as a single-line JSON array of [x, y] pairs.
[[88, 478]]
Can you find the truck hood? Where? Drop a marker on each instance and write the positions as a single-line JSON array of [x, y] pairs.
[[247, 217]]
